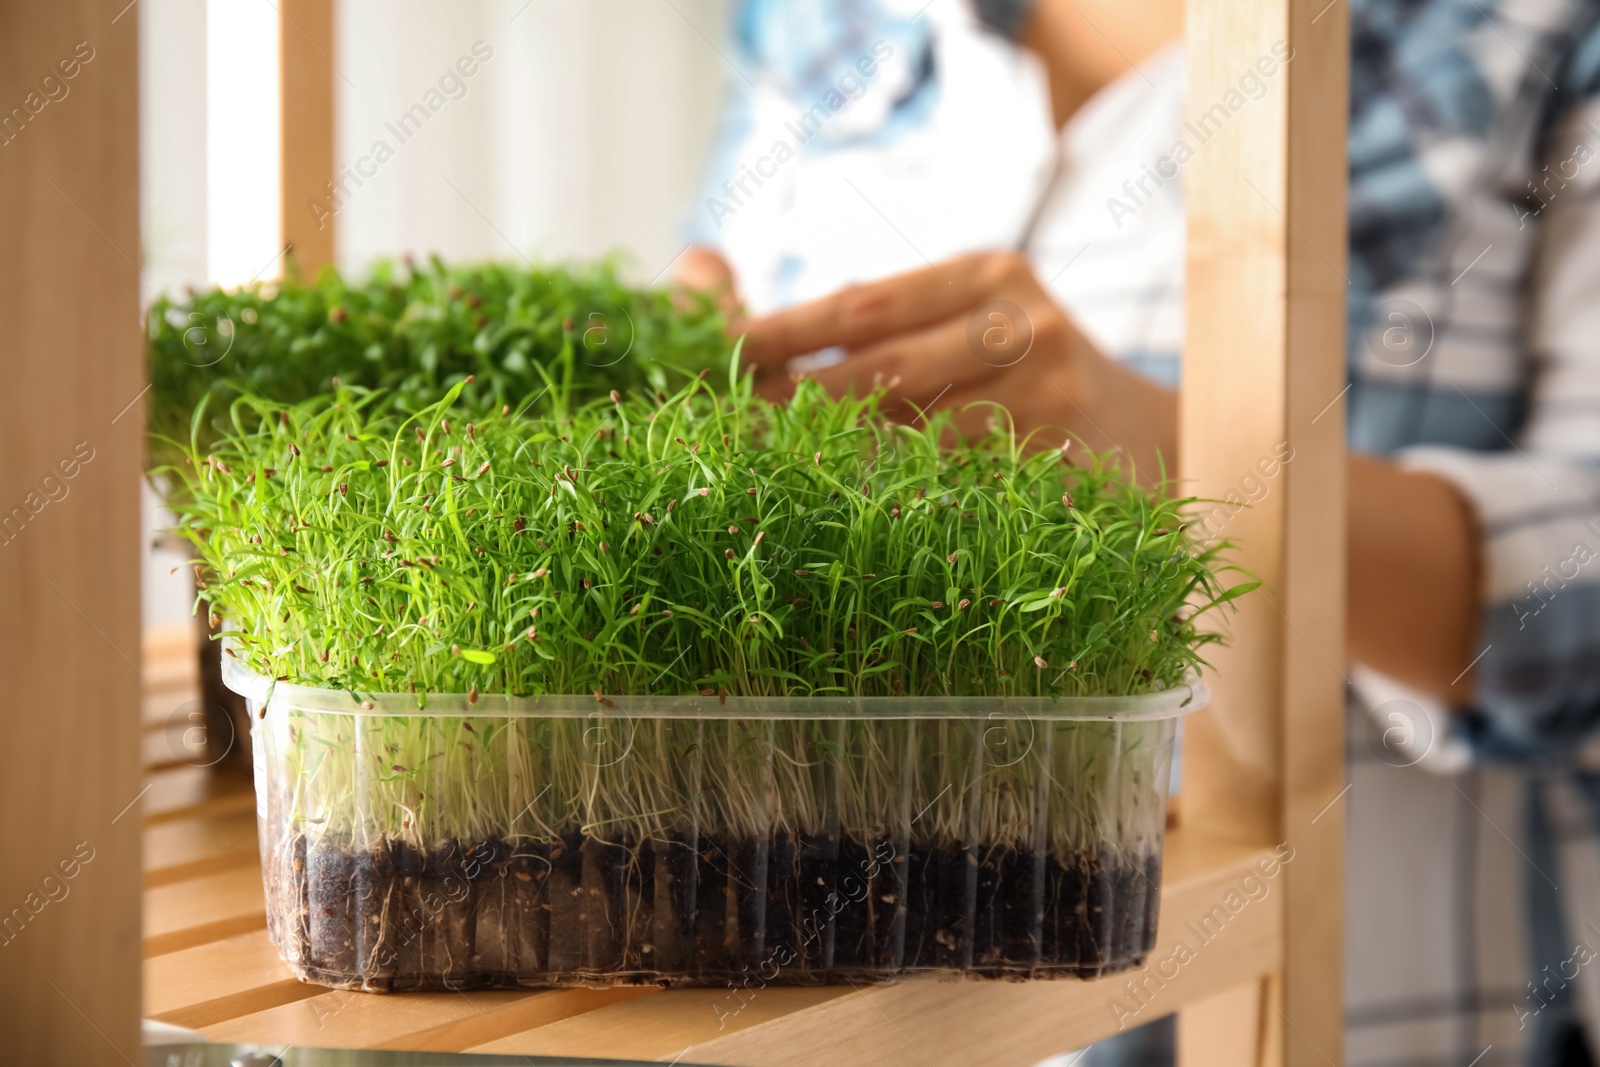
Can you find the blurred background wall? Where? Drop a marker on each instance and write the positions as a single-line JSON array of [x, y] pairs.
[[583, 132]]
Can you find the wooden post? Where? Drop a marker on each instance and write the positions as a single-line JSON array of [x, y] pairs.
[[71, 438], [1263, 379], [308, 72]]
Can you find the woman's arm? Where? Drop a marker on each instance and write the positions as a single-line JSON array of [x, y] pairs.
[[1414, 591]]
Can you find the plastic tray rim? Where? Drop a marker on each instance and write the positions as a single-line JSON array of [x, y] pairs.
[[267, 693]]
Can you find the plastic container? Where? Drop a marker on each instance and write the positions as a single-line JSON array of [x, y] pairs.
[[594, 841]]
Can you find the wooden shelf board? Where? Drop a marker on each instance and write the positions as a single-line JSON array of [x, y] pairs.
[[198, 910], [420, 1022], [183, 792], [188, 848], [225, 979]]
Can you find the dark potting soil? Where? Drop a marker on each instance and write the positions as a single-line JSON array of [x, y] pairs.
[[496, 948], [1099, 913], [943, 895], [1094, 921], [1152, 903], [1064, 891], [447, 941], [671, 945], [569, 913], [870, 927], [783, 889], [816, 885], [330, 908], [802, 869], [511, 915], [1128, 891], [797, 908], [730, 918], [1008, 916], [288, 923], [619, 877], [389, 916]]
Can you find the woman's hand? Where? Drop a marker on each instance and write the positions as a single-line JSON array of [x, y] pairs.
[[704, 270], [973, 329]]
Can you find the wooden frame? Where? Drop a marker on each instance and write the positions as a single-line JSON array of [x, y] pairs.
[[1264, 372], [71, 433], [306, 67], [1263, 773]]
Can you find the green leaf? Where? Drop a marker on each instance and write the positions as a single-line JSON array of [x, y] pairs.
[[1233, 593]]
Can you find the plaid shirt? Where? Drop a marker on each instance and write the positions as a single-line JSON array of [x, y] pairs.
[[1473, 920], [1475, 169], [1474, 352], [1473, 912]]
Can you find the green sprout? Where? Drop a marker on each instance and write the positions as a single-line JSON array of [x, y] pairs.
[[415, 331], [685, 543]]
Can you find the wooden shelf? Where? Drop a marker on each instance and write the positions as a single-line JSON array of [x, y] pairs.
[[209, 966]]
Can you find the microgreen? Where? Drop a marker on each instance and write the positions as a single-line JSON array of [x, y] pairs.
[[415, 331], [683, 543]]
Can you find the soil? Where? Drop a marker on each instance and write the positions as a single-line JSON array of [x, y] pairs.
[[802, 873], [1008, 916], [447, 941], [940, 913], [671, 946], [1099, 913], [330, 901], [687, 908], [730, 919], [569, 912], [288, 914], [870, 928]]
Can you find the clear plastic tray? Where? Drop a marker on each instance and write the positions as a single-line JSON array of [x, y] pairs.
[[745, 840]]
